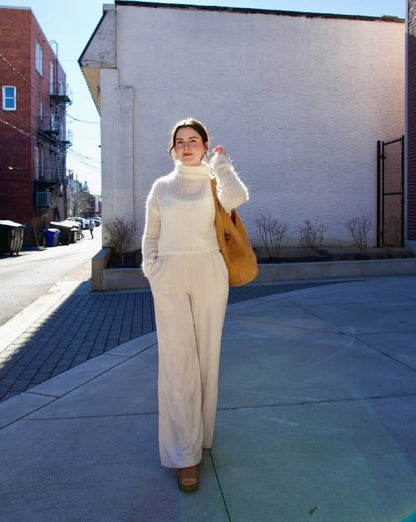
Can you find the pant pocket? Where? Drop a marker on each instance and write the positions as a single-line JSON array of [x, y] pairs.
[[157, 269]]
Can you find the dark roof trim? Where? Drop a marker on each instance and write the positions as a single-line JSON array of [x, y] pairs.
[[254, 11]]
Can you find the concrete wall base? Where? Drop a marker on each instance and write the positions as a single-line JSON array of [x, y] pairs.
[[98, 265], [124, 279], [104, 279], [335, 269]]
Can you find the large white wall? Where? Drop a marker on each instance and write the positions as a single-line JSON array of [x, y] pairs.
[[299, 102]]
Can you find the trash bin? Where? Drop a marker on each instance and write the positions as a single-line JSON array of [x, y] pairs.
[[68, 233], [52, 237], [74, 235], [11, 236]]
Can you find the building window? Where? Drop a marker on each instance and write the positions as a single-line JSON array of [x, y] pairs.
[[51, 79], [41, 163], [39, 58], [9, 98], [36, 162]]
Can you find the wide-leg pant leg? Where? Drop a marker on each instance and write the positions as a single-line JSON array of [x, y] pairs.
[[190, 294], [180, 423], [209, 296]]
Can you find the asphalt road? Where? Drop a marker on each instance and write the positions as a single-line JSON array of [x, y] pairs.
[[33, 272]]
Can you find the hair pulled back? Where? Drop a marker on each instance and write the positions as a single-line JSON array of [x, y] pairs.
[[188, 122]]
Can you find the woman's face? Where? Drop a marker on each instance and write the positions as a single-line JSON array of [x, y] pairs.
[[189, 147]]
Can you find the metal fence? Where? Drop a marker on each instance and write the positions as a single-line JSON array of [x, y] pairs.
[[390, 222]]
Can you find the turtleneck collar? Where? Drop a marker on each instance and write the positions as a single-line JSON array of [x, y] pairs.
[[199, 171]]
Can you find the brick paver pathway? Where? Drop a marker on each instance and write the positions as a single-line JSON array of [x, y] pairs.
[[86, 325]]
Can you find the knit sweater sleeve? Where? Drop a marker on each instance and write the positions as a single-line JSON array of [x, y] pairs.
[[230, 189], [151, 231]]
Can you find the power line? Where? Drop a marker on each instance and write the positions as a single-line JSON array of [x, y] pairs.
[[21, 122], [19, 73], [82, 157], [7, 62], [16, 128], [54, 143], [83, 121], [2, 57], [41, 95]]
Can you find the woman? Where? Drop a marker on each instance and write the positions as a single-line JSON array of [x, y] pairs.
[[189, 283]]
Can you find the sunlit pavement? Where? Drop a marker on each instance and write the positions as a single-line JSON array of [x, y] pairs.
[[316, 420]]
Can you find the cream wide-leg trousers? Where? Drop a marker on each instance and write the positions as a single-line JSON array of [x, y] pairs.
[[190, 293]]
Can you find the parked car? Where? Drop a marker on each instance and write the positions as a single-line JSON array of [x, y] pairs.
[[84, 222]]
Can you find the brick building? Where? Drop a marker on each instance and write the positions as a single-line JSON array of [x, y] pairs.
[[33, 137], [411, 124]]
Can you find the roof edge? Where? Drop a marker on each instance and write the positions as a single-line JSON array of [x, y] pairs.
[[91, 38], [252, 10]]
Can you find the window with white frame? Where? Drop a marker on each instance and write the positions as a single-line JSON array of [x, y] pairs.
[[39, 58], [9, 102]]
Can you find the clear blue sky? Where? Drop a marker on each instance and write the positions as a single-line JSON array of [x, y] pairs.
[[71, 23]]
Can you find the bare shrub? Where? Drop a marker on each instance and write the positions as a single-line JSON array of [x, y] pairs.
[[272, 233], [120, 234], [312, 234], [359, 228]]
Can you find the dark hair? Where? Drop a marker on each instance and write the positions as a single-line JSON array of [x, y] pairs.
[[188, 122]]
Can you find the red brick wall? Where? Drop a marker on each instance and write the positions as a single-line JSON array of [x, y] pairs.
[[15, 145], [19, 137], [411, 123]]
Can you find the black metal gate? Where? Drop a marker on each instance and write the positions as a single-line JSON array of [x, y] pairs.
[[390, 215]]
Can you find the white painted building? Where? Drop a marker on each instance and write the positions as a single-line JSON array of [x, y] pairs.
[[299, 100]]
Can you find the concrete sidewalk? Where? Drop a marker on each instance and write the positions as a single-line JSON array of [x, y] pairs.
[[316, 421], [70, 324]]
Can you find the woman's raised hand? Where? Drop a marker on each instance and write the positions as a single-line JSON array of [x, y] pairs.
[[219, 150]]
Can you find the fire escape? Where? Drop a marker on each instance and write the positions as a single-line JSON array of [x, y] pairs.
[[53, 140]]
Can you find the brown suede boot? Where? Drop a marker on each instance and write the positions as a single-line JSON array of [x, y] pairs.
[[188, 479]]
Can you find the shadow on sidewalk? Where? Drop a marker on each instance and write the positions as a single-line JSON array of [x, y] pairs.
[[87, 324], [82, 326]]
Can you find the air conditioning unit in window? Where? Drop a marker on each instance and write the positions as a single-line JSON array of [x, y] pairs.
[[43, 199]]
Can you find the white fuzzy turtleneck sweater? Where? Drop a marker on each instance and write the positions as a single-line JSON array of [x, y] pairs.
[[180, 211]]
